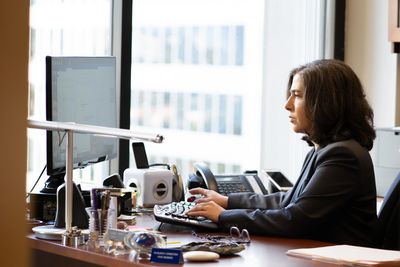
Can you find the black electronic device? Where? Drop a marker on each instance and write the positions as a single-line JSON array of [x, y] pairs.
[[43, 206], [277, 182], [114, 181], [80, 90], [124, 205], [139, 152], [79, 216], [174, 213], [225, 184]]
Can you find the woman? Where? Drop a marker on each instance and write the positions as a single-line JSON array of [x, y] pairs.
[[334, 198]]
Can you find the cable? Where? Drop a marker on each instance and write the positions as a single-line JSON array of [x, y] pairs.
[[37, 180], [160, 226], [61, 138]]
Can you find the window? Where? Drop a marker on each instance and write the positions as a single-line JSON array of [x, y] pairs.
[[223, 66], [209, 75], [62, 27], [196, 79]]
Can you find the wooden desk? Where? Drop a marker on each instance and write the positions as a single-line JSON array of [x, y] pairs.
[[263, 251]]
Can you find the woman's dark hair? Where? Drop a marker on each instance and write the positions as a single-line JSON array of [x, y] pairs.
[[335, 103]]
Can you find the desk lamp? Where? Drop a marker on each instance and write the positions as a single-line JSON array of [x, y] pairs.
[[69, 128]]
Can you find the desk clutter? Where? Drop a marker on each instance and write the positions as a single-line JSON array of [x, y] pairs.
[[116, 234], [111, 218], [150, 245]]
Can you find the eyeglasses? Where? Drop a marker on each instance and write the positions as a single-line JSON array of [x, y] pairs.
[[240, 236], [235, 235]]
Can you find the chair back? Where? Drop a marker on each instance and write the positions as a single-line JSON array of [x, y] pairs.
[[387, 235]]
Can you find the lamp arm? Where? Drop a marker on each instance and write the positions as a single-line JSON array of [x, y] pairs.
[[91, 129], [70, 128]]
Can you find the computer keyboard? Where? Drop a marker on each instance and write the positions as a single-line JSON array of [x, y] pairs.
[[174, 213]]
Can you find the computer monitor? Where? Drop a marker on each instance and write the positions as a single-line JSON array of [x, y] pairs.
[[80, 90]]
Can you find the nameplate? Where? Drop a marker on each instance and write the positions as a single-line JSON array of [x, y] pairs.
[[166, 255], [116, 234]]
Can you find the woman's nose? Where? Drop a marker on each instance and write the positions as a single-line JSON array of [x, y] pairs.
[[289, 103]]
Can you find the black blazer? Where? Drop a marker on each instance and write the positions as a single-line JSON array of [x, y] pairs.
[[334, 200]]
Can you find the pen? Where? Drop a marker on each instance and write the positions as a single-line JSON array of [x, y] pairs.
[[173, 242], [94, 198], [105, 203]]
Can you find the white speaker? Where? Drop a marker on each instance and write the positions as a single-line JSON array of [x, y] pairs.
[[153, 186]]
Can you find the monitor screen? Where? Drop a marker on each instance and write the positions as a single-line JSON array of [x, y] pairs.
[[80, 90]]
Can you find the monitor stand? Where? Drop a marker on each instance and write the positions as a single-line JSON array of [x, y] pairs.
[[79, 217], [52, 183]]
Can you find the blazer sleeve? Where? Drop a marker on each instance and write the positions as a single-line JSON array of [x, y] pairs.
[[255, 201], [331, 185]]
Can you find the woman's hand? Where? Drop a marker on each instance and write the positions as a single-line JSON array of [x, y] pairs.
[[210, 210], [210, 195]]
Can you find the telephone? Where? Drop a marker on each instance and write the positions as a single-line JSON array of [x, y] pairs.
[[225, 184]]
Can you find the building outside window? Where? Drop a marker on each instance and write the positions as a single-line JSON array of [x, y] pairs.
[[197, 79]]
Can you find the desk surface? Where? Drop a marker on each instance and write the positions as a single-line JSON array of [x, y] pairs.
[[263, 251]]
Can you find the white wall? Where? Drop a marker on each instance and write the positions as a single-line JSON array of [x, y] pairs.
[[368, 52]]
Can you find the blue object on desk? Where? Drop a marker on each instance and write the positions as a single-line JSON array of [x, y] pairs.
[[166, 255]]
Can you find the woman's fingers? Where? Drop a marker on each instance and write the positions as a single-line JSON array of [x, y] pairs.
[[201, 200], [198, 190], [196, 213], [196, 210], [200, 207], [210, 210]]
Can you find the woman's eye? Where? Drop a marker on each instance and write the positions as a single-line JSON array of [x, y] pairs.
[[297, 95]]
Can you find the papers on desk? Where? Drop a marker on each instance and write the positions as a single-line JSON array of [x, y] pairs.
[[349, 255]]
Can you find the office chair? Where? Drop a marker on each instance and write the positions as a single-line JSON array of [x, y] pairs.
[[387, 234]]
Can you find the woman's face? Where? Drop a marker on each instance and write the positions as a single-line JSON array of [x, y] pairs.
[[296, 106]]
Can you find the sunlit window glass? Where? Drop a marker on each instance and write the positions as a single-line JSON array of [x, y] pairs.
[[196, 80], [62, 27]]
